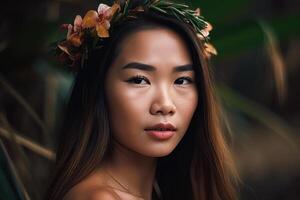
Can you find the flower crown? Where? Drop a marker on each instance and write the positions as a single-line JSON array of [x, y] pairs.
[[97, 24]]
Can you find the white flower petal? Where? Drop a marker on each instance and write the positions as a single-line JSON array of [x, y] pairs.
[[200, 36], [102, 8], [204, 33], [77, 23]]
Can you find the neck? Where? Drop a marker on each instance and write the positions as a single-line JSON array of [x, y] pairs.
[[132, 170]]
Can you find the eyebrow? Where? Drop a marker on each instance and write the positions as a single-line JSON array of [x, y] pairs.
[[145, 67]]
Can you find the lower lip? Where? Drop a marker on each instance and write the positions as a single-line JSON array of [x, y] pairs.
[[162, 135]]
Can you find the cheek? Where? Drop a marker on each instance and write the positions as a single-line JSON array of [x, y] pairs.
[[125, 107], [187, 106]]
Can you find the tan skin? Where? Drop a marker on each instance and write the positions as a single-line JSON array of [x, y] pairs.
[[159, 95]]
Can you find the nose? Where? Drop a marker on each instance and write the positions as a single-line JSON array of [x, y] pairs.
[[162, 103]]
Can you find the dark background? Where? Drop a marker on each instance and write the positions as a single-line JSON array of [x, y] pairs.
[[258, 80]]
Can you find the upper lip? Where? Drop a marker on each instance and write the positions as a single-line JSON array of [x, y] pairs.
[[163, 127]]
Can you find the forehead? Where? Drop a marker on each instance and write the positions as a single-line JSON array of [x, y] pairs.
[[158, 47]]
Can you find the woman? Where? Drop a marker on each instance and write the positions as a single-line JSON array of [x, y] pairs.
[[142, 120]]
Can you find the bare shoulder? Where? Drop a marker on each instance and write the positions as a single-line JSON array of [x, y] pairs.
[[93, 187], [104, 193], [99, 193]]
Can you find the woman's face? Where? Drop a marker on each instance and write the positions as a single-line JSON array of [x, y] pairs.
[[151, 82]]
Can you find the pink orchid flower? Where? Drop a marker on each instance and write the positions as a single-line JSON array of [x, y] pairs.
[[100, 20]]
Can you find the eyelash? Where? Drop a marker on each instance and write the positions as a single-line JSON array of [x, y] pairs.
[[139, 77]]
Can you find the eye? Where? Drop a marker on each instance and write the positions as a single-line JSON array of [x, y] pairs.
[[138, 79], [184, 80]]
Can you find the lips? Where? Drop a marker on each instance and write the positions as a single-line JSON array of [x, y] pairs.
[[161, 131], [162, 127]]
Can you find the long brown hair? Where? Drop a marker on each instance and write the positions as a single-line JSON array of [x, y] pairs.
[[200, 167]]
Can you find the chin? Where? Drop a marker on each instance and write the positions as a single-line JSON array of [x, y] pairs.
[[160, 150]]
